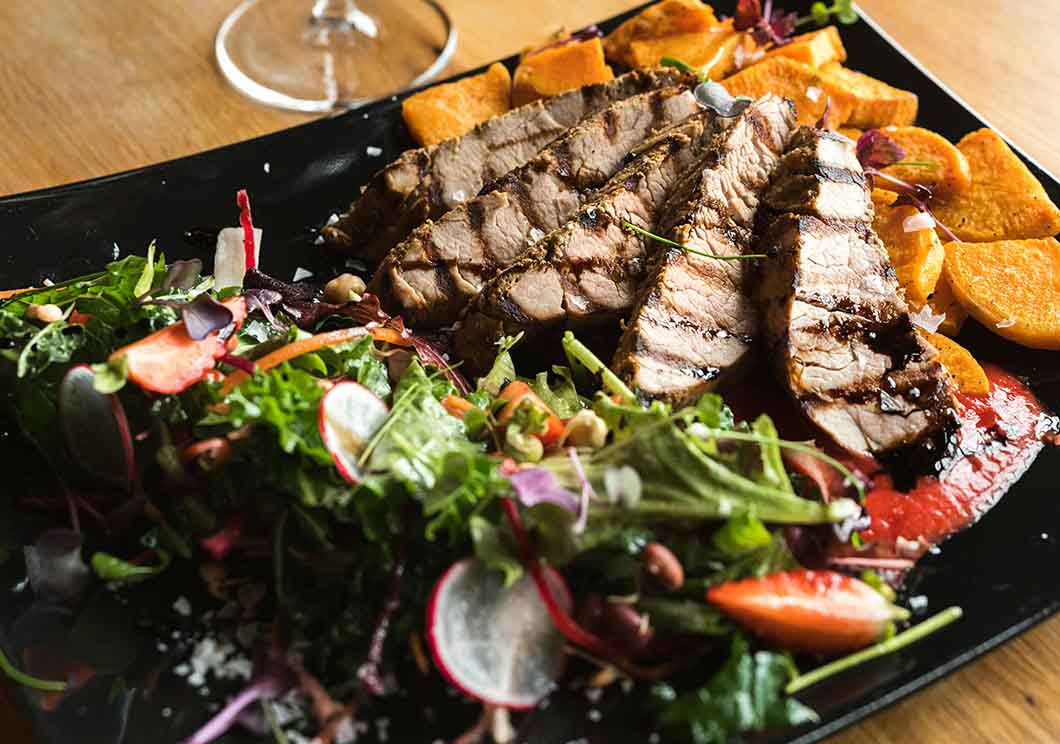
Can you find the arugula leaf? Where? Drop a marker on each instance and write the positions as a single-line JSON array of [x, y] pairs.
[[357, 360], [745, 695], [561, 397], [503, 370]]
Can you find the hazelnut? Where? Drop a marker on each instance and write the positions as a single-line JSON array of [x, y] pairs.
[[661, 564], [585, 429], [344, 288], [44, 313]]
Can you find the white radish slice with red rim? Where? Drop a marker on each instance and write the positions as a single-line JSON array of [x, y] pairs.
[[495, 643], [230, 257], [350, 414]]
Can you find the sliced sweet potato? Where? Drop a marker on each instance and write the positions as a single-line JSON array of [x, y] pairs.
[[951, 173], [712, 51], [944, 302], [452, 109], [917, 256], [559, 69], [815, 48], [666, 18], [1010, 286], [965, 372], [795, 80], [1004, 202], [851, 132], [874, 103]]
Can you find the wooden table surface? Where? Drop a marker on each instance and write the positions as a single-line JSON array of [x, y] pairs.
[[91, 88]]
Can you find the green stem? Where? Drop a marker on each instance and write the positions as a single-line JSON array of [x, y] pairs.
[[684, 67], [917, 163], [591, 362], [693, 251], [900, 641], [24, 679], [848, 475]]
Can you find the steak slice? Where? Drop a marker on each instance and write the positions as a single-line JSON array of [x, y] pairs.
[[429, 278], [695, 318], [426, 183], [587, 271], [820, 174], [840, 334]]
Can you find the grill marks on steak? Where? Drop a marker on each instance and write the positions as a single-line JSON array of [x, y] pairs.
[[838, 328], [587, 271], [430, 277], [426, 183], [694, 319]]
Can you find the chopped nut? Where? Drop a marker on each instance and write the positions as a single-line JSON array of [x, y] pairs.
[[585, 429], [344, 288], [44, 313]]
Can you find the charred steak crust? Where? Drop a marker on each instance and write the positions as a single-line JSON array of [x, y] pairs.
[[695, 319], [432, 275], [837, 327], [426, 183], [586, 272]]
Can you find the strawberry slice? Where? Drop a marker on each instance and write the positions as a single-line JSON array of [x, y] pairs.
[[821, 612]]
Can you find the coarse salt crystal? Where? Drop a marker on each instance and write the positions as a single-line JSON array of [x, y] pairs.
[[300, 274], [918, 221], [813, 93], [459, 195], [1006, 323], [333, 219], [918, 603], [926, 319], [319, 240], [267, 167], [536, 234], [182, 606], [373, 152]]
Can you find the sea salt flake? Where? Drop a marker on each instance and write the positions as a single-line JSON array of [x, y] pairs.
[[459, 195], [813, 93], [267, 167], [319, 240], [926, 319], [918, 603], [333, 219], [373, 152], [1006, 323], [300, 274], [182, 606]]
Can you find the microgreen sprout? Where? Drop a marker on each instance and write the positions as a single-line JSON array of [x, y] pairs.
[[693, 251]]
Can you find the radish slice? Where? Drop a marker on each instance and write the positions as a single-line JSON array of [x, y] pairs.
[[96, 428], [230, 257], [495, 643], [350, 414]]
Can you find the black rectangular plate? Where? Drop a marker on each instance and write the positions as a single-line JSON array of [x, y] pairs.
[[1002, 572]]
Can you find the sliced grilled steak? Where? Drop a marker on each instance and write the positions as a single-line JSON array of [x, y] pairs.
[[587, 271], [428, 182], [429, 278], [695, 318], [820, 175], [839, 330]]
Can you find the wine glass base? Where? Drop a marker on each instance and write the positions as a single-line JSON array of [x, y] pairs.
[[302, 56]]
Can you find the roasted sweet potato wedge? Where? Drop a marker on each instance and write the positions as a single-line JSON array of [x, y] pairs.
[[965, 372], [795, 80], [452, 109], [712, 51], [851, 132], [558, 69], [944, 302], [951, 173], [815, 48], [1010, 286], [874, 103], [1005, 200], [917, 255], [665, 18]]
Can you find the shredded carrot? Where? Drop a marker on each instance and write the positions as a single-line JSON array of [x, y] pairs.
[[243, 201], [6, 293], [456, 406]]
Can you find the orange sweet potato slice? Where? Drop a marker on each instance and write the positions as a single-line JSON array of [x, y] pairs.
[[815, 48], [559, 69], [1010, 286], [944, 302], [665, 18], [453, 109], [851, 132], [795, 80], [964, 371], [917, 256], [951, 174], [874, 103], [712, 51], [1004, 202]]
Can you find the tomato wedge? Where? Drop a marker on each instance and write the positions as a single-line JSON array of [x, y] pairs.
[[515, 393], [170, 361]]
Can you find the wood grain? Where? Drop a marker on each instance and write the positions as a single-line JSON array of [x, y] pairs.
[[91, 88]]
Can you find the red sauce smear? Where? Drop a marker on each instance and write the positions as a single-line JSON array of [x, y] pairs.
[[1000, 435]]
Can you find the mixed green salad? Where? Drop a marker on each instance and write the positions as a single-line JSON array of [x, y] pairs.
[[334, 474]]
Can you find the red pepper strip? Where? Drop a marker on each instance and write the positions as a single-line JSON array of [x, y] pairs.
[[243, 200], [564, 623], [220, 543]]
